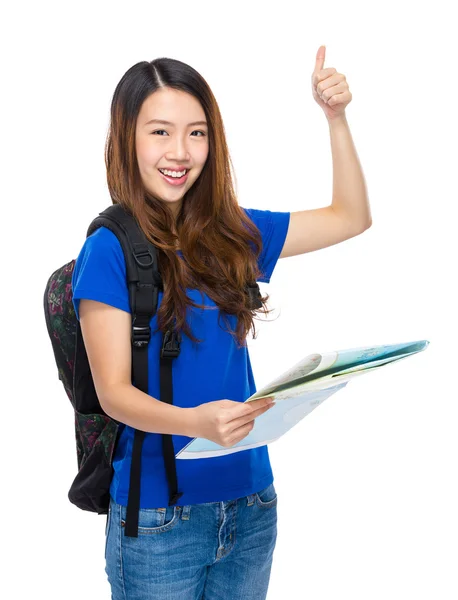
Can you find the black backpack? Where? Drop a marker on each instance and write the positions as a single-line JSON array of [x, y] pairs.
[[96, 433]]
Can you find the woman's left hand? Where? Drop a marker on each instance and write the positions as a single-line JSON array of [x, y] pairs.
[[330, 88]]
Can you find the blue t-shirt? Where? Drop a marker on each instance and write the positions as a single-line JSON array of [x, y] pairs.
[[212, 370]]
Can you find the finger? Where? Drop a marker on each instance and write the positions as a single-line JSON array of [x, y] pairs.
[[259, 402], [242, 420], [238, 434], [248, 409], [322, 75], [334, 92], [259, 412], [320, 56]]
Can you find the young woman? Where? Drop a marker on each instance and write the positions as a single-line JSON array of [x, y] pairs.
[[168, 163]]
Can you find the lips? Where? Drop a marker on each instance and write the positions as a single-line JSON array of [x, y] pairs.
[[174, 170], [175, 180]]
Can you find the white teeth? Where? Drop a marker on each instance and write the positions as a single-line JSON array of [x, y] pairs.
[[173, 173]]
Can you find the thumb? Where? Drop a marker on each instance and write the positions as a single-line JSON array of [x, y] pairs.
[[320, 56]]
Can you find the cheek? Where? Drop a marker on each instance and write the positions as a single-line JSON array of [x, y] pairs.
[[148, 155], [202, 155]]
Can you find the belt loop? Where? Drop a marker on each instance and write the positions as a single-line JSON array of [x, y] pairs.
[[251, 499], [185, 512]]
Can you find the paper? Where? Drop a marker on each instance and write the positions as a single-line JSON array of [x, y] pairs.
[[301, 389]]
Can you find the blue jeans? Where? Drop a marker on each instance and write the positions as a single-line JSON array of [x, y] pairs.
[[212, 551]]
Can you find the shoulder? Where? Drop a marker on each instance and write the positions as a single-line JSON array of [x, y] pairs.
[[266, 219], [102, 244], [103, 238], [100, 271], [101, 252], [256, 215], [273, 227]]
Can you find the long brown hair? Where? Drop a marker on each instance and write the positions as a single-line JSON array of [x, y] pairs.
[[213, 231]]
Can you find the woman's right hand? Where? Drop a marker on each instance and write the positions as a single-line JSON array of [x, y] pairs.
[[226, 422]]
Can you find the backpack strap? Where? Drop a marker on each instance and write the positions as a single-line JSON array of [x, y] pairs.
[[144, 281]]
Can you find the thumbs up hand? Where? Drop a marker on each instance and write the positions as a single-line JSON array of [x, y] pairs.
[[329, 88]]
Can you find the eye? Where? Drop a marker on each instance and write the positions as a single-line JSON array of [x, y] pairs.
[[160, 130]]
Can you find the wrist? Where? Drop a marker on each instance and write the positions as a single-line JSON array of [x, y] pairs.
[[337, 121], [189, 422]]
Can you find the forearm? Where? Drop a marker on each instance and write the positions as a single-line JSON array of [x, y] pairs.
[[349, 193], [127, 404]]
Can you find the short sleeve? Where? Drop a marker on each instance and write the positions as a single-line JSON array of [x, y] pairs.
[[100, 272], [273, 226]]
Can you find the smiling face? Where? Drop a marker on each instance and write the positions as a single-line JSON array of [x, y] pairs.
[[181, 143]]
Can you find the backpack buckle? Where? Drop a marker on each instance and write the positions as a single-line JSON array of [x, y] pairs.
[[142, 251], [140, 336], [171, 344]]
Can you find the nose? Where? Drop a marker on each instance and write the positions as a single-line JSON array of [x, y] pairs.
[[178, 150]]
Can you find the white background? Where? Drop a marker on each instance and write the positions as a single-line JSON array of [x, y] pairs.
[[367, 496]]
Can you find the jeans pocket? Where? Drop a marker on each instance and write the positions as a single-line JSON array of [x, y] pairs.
[[154, 520], [267, 497]]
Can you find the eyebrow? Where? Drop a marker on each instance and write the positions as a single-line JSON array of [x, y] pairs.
[[162, 122]]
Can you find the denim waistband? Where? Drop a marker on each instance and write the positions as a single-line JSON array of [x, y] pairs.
[[224, 505]]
